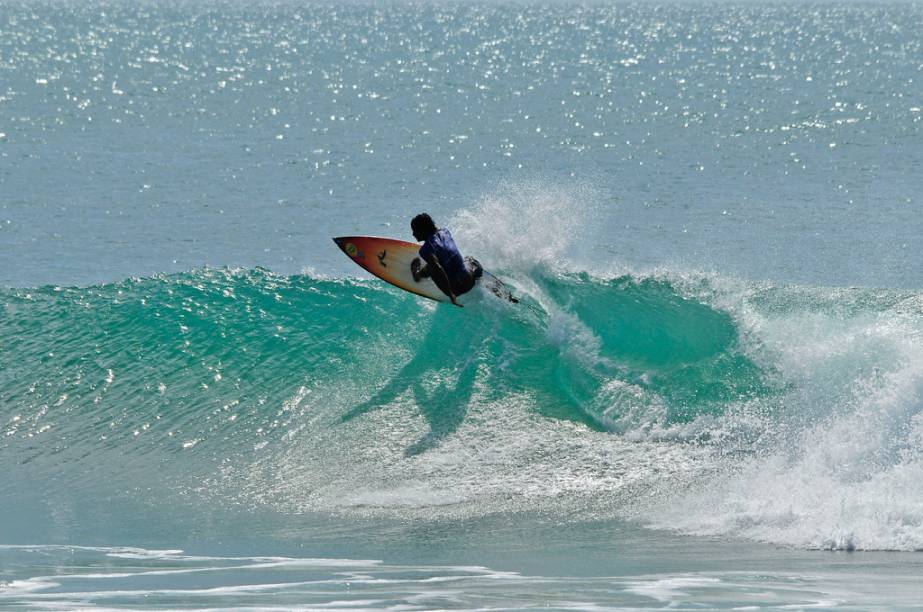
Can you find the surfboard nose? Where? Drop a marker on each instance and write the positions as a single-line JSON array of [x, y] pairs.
[[349, 245]]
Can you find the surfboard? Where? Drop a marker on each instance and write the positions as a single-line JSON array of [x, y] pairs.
[[390, 260]]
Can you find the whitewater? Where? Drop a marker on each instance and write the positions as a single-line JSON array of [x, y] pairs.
[[708, 396]]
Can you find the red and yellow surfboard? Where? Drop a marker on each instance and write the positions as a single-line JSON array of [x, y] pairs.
[[389, 260]]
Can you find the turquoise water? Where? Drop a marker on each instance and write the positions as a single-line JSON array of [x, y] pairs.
[[708, 397]]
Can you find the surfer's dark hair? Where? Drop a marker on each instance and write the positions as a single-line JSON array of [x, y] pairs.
[[423, 224]]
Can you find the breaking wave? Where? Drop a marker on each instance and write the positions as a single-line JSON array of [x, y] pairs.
[[784, 414]]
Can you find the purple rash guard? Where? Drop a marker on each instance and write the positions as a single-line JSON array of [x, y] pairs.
[[442, 247]]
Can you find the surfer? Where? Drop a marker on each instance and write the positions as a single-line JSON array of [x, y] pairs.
[[452, 273]]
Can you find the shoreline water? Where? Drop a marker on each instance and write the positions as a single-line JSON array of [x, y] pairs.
[[507, 562]]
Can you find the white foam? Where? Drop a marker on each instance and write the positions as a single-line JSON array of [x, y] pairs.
[[410, 495], [30, 585], [669, 590], [840, 466], [574, 337]]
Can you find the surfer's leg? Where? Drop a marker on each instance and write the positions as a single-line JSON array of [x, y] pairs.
[[440, 281], [421, 270], [466, 286], [475, 271], [474, 267]]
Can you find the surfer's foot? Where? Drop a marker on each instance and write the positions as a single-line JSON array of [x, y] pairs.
[[415, 269]]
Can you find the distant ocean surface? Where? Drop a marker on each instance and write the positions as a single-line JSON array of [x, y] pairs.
[[710, 395]]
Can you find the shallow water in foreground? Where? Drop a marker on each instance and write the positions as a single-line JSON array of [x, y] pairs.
[[507, 562]]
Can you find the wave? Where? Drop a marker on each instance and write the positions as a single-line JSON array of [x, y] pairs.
[[153, 355], [695, 403]]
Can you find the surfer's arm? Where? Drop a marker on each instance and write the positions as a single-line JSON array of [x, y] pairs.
[[439, 274]]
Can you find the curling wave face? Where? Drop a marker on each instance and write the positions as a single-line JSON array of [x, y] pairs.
[[783, 414]]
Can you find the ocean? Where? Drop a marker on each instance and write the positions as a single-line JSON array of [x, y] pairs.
[[710, 395]]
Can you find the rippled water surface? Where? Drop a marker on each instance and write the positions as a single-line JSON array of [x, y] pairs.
[[709, 395], [139, 138]]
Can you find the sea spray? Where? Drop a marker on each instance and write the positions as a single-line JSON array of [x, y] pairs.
[[525, 225], [838, 465]]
